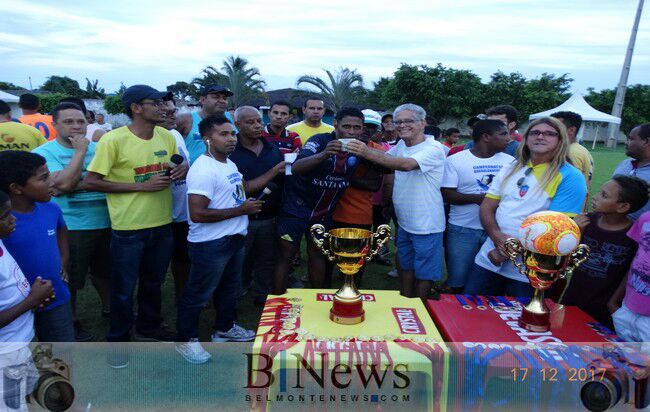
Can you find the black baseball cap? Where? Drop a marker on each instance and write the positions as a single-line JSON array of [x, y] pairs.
[[215, 88], [139, 92]]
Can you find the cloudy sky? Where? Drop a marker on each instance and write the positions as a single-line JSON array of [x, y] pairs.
[[161, 42]]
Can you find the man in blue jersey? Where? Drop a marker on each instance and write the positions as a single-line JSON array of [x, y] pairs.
[[319, 177], [214, 100]]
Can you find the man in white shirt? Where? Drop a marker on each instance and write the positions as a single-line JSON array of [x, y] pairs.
[[180, 263], [218, 216], [101, 122], [467, 178], [419, 164]]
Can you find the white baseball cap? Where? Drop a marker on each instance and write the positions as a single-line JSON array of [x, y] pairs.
[[371, 117]]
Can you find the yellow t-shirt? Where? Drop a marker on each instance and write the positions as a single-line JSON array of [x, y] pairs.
[[123, 157], [581, 159], [305, 131], [18, 136]]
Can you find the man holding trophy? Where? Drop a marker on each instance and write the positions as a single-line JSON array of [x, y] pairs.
[[319, 177], [540, 179], [419, 164]]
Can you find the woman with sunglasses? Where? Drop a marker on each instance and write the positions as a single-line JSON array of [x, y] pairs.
[[540, 179]]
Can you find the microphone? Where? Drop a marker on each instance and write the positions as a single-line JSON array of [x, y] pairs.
[[267, 190], [176, 160]]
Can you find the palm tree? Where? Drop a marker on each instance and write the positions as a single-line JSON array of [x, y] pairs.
[[344, 86], [243, 81]]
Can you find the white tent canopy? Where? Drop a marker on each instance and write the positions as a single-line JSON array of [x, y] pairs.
[[8, 98], [577, 104]]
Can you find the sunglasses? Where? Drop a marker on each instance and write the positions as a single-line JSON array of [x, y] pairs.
[[522, 179]]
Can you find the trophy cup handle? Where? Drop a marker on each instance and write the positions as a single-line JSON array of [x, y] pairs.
[[578, 257], [319, 235], [514, 249], [380, 237]]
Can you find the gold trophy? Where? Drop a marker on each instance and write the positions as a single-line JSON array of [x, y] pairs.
[[548, 246], [350, 248]]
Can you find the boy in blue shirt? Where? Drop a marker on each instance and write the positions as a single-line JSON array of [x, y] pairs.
[[85, 212], [40, 242]]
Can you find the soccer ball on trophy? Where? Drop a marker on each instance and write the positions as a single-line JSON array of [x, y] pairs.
[[549, 247]]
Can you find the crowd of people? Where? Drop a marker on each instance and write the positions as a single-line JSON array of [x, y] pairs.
[[225, 201]]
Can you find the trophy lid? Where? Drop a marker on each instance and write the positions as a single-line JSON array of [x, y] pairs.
[[549, 233]]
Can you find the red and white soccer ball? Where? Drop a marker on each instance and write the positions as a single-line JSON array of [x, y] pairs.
[[549, 233]]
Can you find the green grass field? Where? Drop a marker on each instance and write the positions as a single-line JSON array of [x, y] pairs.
[[375, 276]]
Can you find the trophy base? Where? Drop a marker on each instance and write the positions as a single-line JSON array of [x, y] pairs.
[[347, 313], [535, 322]]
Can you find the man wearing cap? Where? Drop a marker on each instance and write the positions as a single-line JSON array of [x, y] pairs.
[[131, 165], [355, 209], [17, 136], [214, 100]]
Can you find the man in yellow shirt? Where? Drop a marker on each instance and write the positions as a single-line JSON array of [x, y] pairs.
[[17, 136], [132, 165], [30, 105], [578, 154], [314, 110]]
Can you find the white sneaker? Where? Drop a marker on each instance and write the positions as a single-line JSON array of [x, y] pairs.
[[235, 334], [393, 273], [193, 352]]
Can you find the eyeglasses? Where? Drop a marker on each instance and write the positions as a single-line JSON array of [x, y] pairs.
[[545, 133], [407, 122], [157, 103], [522, 179]]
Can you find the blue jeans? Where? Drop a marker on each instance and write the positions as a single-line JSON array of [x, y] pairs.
[[142, 255], [485, 282], [463, 243], [215, 272], [55, 325]]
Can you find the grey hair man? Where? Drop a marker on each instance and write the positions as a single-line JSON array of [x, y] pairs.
[[418, 163]]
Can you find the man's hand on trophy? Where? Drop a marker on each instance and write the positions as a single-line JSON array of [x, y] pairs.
[[582, 221], [499, 240], [496, 257]]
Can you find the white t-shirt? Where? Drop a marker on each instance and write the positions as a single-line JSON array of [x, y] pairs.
[[14, 288], [416, 194], [471, 175], [223, 185], [179, 188], [107, 127], [91, 129], [521, 196]]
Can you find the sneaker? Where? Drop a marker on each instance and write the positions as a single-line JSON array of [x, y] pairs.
[[393, 273], [81, 334], [158, 335], [193, 352], [235, 334], [118, 356]]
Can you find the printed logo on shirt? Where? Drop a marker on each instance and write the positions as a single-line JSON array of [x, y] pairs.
[[144, 173], [239, 195], [9, 143], [51, 232], [485, 181], [523, 190], [160, 153]]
